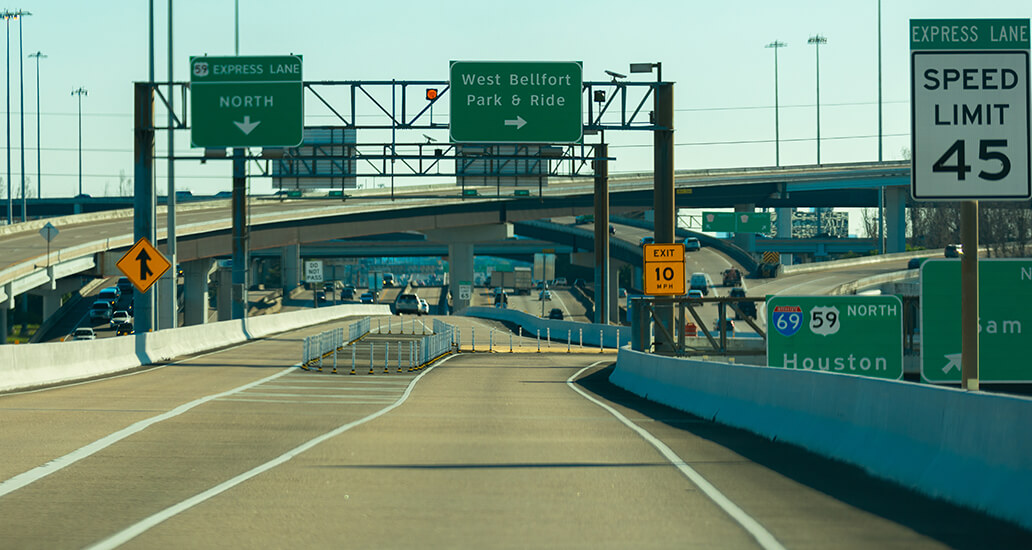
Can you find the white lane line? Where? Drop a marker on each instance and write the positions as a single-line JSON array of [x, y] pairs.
[[390, 393], [21, 480], [758, 532], [336, 403], [145, 524]]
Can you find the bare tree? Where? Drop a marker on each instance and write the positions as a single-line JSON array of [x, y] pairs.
[[125, 184]]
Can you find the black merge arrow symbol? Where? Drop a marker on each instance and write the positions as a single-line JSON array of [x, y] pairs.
[[145, 270]]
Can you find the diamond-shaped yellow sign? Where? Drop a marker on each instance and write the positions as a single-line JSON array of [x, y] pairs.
[[143, 264]]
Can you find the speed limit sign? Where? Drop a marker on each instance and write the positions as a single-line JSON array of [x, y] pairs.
[[664, 269], [970, 109]]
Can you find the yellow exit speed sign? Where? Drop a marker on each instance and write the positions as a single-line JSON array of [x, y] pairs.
[[664, 269]]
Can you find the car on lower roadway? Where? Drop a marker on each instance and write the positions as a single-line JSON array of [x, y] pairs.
[[555, 313], [700, 281], [124, 329], [100, 311], [407, 303], [691, 244], [119, 317], [545, 295], [84, 333], [367, 298]]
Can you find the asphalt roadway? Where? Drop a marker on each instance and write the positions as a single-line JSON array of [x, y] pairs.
[[483, 450]]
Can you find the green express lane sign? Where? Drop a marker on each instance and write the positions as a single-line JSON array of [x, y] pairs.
[[515, 102], [1004, 310], [860, 335], [246, 101]]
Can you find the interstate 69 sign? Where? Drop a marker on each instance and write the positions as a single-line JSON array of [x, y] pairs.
[[970, 109], [860, 335]]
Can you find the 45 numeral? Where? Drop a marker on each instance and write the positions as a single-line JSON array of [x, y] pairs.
[[984, 153]]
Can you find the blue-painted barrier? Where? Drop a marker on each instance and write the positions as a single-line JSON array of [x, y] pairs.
[[970, 448]]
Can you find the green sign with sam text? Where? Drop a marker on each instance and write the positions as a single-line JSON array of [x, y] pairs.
[[860, 335], [515, 102], [1004, 300], [246, 101], [736, 222]]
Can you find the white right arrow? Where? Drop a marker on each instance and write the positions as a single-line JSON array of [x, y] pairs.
[[518, 122], [247, 126], [954, 362]]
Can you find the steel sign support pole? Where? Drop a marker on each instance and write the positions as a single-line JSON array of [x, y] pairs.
[[240, 236], [969, 296], [664, 204], [602, 282], [170, 294], [143, 198]]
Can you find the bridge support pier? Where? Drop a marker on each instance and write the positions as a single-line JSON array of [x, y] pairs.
[[290, 267], [746, 241], [784, 231], [195, 291], [460, 253], [895, 219], [3, 325], [225, 296]]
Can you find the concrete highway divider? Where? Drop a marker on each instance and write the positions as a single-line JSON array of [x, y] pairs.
[[559, 329], [970, 448], [35, 365]]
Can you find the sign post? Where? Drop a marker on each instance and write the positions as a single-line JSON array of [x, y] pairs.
[[246, 101], [664, 272], [970, 133], [48, 232], [516, 102], [860, 335]]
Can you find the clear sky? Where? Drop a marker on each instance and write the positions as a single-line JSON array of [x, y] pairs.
[[713, 51]]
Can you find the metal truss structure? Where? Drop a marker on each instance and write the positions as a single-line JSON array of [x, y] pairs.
[[403, 107]]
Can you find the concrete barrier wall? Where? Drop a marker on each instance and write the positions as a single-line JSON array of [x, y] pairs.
[[35, 365], [969, 448], [531, 324]]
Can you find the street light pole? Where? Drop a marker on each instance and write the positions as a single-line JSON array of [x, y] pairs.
[[7, 15], [39, 164], [776, 45], [21, 110], [80, 92], [817, 40]]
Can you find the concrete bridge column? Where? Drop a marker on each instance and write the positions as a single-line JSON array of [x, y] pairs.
[[195, 291], [745, 240], [225, 296], [460, 253], [784, 230], [460, 264], [895, 219], [290, 267]]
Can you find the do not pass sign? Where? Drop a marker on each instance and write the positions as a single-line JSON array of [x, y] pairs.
[[970, 109]]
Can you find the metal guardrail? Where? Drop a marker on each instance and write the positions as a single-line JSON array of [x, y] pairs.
[[320, 346], [358, 330], [415, 353]]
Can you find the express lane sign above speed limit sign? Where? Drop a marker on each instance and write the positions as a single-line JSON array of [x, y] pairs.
[[970, 109]]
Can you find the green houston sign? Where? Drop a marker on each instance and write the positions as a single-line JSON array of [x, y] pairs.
[[860, 335], [246, 101], [1004, 299], [515, 102]]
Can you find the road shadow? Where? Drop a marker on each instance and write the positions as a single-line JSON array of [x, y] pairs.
[[953, 525]]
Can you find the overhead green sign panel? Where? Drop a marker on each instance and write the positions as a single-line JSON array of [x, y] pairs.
[[246, 101], [516, 102], [736, 222], [860, 335], [1004, 300]]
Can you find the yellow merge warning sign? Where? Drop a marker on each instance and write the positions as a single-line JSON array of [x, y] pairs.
[[664, 269]]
